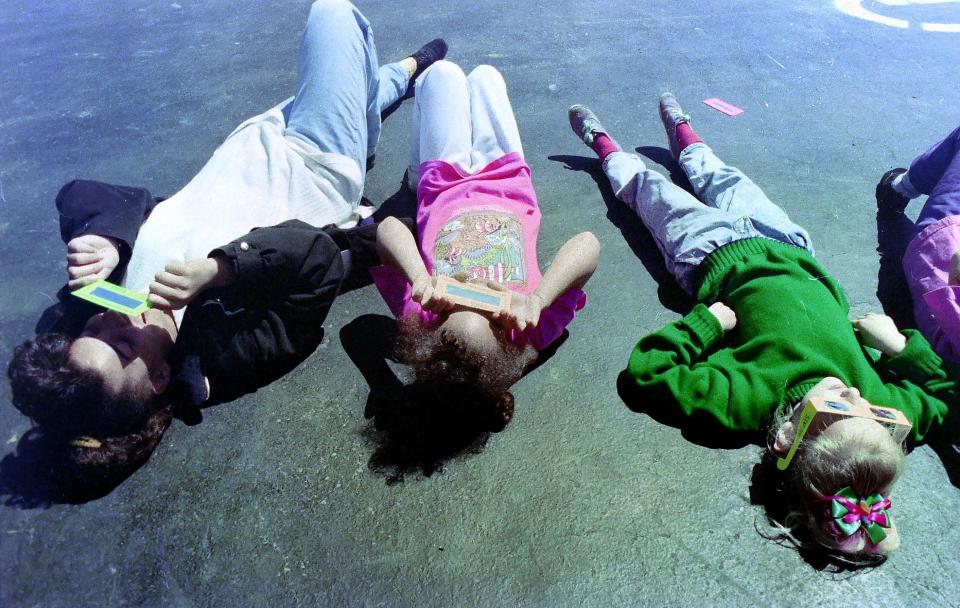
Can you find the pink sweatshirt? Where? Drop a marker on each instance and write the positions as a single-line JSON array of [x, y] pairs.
[[484, 225], [936, 305]]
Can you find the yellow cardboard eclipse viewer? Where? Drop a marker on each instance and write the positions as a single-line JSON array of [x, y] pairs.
[[473, 296], [818, 409], [113, 297]]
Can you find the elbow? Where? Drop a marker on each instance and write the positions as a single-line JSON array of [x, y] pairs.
[[388, 231], [388, 227], [588, 248]]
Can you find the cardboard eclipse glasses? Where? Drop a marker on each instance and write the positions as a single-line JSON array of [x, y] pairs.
[[113, 297], [472, 296], [818, 408]]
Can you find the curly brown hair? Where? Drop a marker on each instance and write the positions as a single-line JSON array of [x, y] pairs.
[[66, 403], [450, 373]]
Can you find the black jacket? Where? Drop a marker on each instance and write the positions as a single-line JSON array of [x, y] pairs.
[[242, 336]]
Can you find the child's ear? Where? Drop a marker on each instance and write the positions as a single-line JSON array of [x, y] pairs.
[[784, 438], [890, 543], [160, 378]]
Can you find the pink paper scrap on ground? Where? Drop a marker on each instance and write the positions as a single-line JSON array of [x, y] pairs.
[[718, 104]]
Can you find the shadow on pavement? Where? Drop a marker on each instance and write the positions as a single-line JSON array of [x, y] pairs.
[[407, 435], [408, 431], [401, 204], [637, 236], [38, 475], [894, 232], [701, 430], [29, 476], [946, 444]]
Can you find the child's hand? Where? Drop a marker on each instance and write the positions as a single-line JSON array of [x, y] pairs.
[[423, 292], [180, 282], [953, 275], [90, 257], [724, 314], [522, 312], [880, 332]]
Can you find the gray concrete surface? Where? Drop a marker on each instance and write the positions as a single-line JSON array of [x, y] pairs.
[[286, 497]]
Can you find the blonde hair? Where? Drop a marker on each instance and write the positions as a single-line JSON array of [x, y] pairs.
[[825, 464]]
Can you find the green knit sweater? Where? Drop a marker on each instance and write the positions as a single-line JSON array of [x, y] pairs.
[[792, 331]]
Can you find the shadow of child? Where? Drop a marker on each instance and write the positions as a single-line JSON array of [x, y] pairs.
[[636, 235], [894, 232], [409, 432], [38, 474]]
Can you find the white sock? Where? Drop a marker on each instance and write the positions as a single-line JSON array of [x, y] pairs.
[[901, 184], [409, 65]]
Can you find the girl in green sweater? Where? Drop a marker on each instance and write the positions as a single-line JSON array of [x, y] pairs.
[[769, 333]]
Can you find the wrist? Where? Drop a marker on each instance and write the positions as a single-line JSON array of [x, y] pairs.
[[704, 325], [723, 315], [420, 276], [894, 346], [538, 298], [114, 241], [220, 271]]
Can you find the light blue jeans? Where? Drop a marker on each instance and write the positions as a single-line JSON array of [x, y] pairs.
[[341, 91], [687, 231]]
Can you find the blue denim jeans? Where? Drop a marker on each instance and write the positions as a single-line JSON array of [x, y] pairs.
[[341, 91], [687, 230]]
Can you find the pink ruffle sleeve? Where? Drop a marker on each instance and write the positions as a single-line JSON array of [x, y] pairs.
[[554, 319]]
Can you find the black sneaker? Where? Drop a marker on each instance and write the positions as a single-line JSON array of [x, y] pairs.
[[887, 197], [427, 55]]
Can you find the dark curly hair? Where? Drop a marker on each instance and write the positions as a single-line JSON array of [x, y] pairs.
[[447, 372], [118, 432]]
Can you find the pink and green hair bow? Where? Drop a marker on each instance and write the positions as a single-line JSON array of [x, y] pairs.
[[849, 512]]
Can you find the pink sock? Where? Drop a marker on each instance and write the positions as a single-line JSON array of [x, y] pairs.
[[604, 146], [685, 136]]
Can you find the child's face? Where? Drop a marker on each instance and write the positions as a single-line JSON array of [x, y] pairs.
[[475, 331], [833, 389], [128, 352], [830, 389]]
